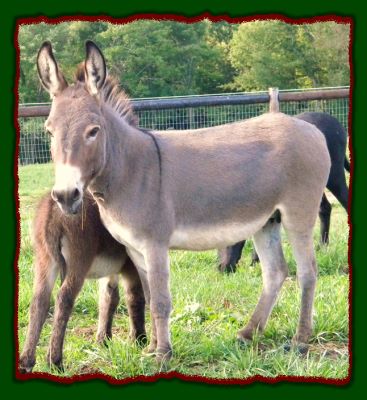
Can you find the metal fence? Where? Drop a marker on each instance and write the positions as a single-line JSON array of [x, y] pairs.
[[189, 112]]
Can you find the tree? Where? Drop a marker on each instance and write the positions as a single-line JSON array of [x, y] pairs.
[[273, 53]]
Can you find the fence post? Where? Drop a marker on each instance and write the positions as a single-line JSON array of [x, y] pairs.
[[273, 100]]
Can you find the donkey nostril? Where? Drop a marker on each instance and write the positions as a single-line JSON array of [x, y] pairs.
[[57, 196], [75, 194]]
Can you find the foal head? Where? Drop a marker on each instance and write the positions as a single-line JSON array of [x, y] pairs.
[[76, 122]]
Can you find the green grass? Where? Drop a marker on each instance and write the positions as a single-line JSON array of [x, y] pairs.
[[209, 308]]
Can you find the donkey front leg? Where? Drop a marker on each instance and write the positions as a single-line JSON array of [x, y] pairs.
[[157, 263], [45, 276], [108, 302], [274, 271], [64, 305]]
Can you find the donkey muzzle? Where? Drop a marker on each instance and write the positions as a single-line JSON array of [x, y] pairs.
[[69, 201]]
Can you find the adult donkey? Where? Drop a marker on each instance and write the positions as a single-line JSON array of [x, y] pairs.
[[193, 190], [336, 140]]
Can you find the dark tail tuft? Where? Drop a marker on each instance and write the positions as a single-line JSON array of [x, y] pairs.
[[346, 164]]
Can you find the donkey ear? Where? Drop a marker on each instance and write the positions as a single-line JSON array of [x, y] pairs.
[[51, 78], [95, 68]]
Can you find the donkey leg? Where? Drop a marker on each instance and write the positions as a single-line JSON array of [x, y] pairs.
[[230, 256], [324, 214], [108, 302], [139, 262], [64, 305], [157, 262], [135, 301], [254, 257], [303, 250], [340, 191], [45, 276], [274, 271]]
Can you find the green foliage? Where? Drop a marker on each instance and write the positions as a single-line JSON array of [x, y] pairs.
[[208, 310], [275, 54], [164, 58]]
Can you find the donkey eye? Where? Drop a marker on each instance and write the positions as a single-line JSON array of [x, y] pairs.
[[49, 133], [92, 133]]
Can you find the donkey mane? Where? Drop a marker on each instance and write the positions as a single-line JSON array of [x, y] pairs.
[[114, 95]]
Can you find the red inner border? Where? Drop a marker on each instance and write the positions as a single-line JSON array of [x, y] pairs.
[[170, 375]]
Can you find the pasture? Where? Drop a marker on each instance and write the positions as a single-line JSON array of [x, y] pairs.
[[208, 310]]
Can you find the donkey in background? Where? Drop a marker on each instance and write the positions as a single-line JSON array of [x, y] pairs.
[[196, 190], [336, 140], [78, 247]]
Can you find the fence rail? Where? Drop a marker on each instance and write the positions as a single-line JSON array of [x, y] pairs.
[[189, 112]]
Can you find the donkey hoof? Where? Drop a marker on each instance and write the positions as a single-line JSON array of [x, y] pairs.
[[141, 340], [103, 339], [287, 347], [245, 335], [26, 365], [151, 349], [163, 355], [55, 363], [299, 347], [301, 339], [227, 268]]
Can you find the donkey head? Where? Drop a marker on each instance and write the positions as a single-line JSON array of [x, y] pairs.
[[75, 123]]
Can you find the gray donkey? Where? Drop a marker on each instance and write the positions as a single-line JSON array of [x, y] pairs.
[[196, 189]]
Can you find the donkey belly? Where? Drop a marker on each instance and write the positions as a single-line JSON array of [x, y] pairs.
[[104, 265], [206, 237]]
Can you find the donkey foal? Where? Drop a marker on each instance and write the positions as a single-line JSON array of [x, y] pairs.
[[78, 247]]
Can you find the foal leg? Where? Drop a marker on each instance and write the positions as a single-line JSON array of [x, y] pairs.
[[324, 214], [135, 301], [274, 271], [45, 276], [108, 302], [64, 305]]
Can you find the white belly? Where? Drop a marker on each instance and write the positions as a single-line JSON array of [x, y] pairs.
[[214, 236], [104, 266]]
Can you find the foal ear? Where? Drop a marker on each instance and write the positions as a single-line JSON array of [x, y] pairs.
[[95, 68], [51, 78]]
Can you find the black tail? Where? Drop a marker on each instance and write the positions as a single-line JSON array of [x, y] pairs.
[[346, 164]]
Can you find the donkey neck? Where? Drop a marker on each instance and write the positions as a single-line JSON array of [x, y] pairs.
[[133, 162]]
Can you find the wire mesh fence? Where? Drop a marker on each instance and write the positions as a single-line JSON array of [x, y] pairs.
[[188, 113]]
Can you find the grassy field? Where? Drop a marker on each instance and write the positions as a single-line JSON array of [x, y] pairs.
[[209, 308]]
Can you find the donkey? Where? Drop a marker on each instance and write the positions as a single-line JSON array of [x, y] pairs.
[[78, 247], [197, 189], [336, 140]]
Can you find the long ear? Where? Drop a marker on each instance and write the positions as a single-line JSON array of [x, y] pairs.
[[51, 78], [95, 68]]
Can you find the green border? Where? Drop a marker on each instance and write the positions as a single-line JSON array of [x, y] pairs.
[[22, 9]]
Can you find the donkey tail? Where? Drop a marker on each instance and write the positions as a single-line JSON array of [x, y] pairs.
[[346, 164]]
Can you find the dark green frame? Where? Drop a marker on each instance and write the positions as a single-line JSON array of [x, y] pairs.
[[24, 9]]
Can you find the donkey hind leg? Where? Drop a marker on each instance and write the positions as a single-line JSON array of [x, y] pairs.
[[135, 302], [274, 271], [303, 250], [324, 214], [45, 276], [64, 305], [108, 302], [229, 257]]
